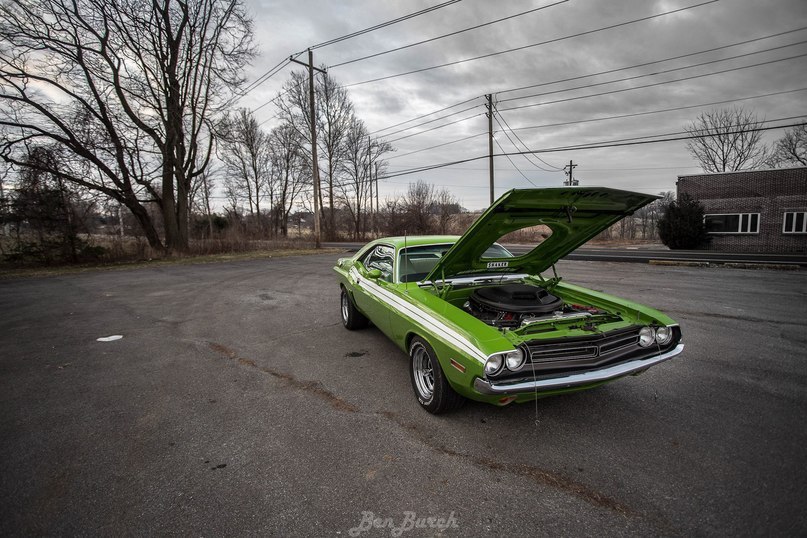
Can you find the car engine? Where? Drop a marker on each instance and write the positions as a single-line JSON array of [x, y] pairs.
[[512, 306]]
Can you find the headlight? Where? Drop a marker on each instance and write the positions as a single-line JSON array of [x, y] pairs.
[[514, 359], [493, 364], [663, 335], [647, 336]]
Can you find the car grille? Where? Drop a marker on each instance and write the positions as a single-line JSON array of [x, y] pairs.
[[585, 351]]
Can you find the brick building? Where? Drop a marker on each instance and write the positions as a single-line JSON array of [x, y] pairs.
[[753, 210]]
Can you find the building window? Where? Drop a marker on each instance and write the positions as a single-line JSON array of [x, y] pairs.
[[795, 222], [732, 223]]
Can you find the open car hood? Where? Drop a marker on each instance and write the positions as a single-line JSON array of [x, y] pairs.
[[574, 214]]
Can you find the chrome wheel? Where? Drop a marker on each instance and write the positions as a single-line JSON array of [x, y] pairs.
[[345, 307], [432, 388], [352, 319], [423, 371]]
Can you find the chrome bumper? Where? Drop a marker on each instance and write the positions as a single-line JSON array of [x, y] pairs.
[[575, 380]]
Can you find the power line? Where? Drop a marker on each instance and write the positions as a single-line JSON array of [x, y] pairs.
[[642, 140], [587, 170], [485, 169], [436, 127], [277, 68], [426, 115], [645, 64], [648, 112], [662, 72], [257, 82], [518, 148], [523, 47], [266, 76], [500, 117], [432, 121], [655, 83], [396, 49], [278, 96], [437, 146], [578, 77], [671, 137], [590, 120], [514, 164], [384, 24]]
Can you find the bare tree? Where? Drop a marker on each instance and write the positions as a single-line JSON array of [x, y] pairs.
[[726, 140], [50, 211], [245, 152], [393, 216], [4, 172], [363, 158], [201, 190], [446, 206], [791, 149], [354, 189], [627, 227], [233, 206], [129, 90], [418, 202], [336, 112], [293, 102], [290, 173]]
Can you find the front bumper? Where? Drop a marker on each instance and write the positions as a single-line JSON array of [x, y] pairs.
[[572, 380]]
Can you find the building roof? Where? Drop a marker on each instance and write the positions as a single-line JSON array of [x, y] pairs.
[[751, 171]]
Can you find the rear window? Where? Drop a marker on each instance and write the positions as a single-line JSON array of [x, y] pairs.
[[415, 263], [531, 235]]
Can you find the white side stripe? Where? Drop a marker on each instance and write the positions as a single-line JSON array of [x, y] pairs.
[[411, 310]]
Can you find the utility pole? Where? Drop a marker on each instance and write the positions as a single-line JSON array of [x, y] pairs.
[[314, 164], [568, 170], [377, 207], [489, 97], [370, 180]]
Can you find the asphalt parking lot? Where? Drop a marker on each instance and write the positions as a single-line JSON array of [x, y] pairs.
[[236, 404]]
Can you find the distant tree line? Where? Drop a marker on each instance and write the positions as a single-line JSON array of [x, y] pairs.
[[125, 111], [268, 174], [730, 139]]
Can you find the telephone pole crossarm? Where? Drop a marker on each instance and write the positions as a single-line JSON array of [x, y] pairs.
[[292, 59], [569, 171]]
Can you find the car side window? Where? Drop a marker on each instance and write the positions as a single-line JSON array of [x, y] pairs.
[[381, 258]]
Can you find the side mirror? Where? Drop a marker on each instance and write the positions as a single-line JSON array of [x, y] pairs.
[[374, 274]]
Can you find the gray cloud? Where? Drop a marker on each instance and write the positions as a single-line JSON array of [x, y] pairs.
[[284, 27]]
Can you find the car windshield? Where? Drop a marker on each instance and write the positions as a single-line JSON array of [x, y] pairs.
[[415, 263]]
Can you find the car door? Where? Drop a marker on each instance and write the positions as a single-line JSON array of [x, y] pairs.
[[374, 299]]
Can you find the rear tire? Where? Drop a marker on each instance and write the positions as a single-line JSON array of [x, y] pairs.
[[432, 390], [352, 319]]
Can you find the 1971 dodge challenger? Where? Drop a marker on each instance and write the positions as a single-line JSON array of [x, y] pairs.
[[481, 323]]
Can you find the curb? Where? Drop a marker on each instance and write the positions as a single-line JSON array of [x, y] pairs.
[[732, 265]]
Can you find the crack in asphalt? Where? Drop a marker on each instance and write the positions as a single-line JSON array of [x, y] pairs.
[[312, 387], [541, 476], [536, 474], [720, 315]]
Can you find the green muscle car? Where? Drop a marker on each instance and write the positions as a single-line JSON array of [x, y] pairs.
[[481, 323]]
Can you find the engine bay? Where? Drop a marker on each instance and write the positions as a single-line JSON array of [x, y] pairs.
[[516, 305]]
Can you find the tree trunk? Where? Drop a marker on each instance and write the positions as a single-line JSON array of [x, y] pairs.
[[168, 209], [144, 219], [331, 214]]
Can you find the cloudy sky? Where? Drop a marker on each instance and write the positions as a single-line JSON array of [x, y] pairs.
[[761, 49]]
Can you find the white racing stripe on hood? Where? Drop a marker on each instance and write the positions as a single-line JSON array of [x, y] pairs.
[[440, 328]]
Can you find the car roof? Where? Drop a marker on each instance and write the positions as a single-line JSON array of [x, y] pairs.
[[417, 240]]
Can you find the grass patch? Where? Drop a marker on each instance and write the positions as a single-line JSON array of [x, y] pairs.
[[10, 271]]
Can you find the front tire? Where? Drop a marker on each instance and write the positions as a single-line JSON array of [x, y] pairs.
[[431, 387], [352, 319]]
